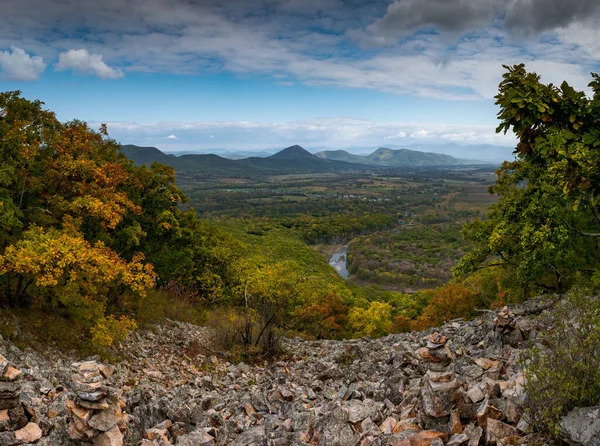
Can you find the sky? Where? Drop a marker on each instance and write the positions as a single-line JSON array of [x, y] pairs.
[[199, 75]]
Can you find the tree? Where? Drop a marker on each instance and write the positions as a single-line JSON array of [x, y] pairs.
[[65, 200], [373, 321], [546, 225]]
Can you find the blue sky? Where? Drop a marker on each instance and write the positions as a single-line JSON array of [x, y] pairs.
[[253, 74]]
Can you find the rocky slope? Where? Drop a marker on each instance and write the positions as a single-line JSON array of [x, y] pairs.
[[457, 385]]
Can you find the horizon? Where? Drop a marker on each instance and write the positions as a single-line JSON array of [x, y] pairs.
[[460, 152], [245, 75]]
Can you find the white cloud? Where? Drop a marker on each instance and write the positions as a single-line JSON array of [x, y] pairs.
[[419, 134], [171, 137], [313, 42], [337, 133], [83, 62], [17, 65], [396, 136]]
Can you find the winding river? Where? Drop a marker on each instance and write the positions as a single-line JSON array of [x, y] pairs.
[[338, 261]]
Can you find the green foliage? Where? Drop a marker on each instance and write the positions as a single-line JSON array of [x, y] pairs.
[[545, 226], [563, 371]]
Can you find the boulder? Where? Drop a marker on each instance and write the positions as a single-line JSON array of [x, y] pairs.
[[581, 426]]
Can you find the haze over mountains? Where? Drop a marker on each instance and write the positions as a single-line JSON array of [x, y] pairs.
[[484, 153], [294, 159]]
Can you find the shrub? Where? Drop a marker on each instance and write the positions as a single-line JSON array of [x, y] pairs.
[[563, 371]]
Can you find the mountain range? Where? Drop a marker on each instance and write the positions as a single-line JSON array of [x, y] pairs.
[[294, 159], [390, 157]]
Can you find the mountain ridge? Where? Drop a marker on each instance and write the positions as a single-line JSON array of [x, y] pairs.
[[291, 160]]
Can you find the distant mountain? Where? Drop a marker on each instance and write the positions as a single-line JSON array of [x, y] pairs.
[[478, 152], [293, 159], [404, 157], [145, 155], [244, 154], [293, 152], [390, 157], [342, 155]]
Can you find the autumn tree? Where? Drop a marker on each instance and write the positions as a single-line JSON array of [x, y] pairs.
[[65, 201], [545, 228]]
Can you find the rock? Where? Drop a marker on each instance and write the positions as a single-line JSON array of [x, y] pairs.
[[475, 394], [369, 428], [497, 431], [486, 363], [487, 411], [104, 420], [197, 438], [11, 374], [581, 426], [457, 439], [3, 365], [455, 424], [359, 410], [8, 439], [474, 433], [388, 425], [423, 438], [29, 434], [113, 437]]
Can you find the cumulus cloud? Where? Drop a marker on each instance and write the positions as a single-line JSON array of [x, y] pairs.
[[405, 16], [171, 137], [82, 62], [535, 16], [17, 65], [314, 41]]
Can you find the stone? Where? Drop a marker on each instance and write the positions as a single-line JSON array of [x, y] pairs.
[[196, 438], [438, 398], [474, 433], [475, 394], [423, 438], [498, 431], [457, 439], [369, 428], [388, 425], [79, 412], [3, 364], [358, 410], [106, 370], [8, 439], [92, 396], [29, 434], [104, 420], [487, 411], [486, 363], [91, 405], [444, 376], [455, 424], [113, 437], [582, 426]]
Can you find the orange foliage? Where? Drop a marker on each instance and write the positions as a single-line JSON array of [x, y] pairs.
[[449, 302], [326, 319]]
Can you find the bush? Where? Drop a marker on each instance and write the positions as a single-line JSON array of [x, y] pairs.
[[563, 372]]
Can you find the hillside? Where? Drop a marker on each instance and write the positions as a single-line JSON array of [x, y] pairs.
[[390, 157], [461, 385]]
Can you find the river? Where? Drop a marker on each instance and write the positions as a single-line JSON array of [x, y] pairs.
[[338, 261]]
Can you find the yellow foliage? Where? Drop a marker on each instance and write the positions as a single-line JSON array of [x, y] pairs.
[[110, 329], [373, 321], [68, 270]]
